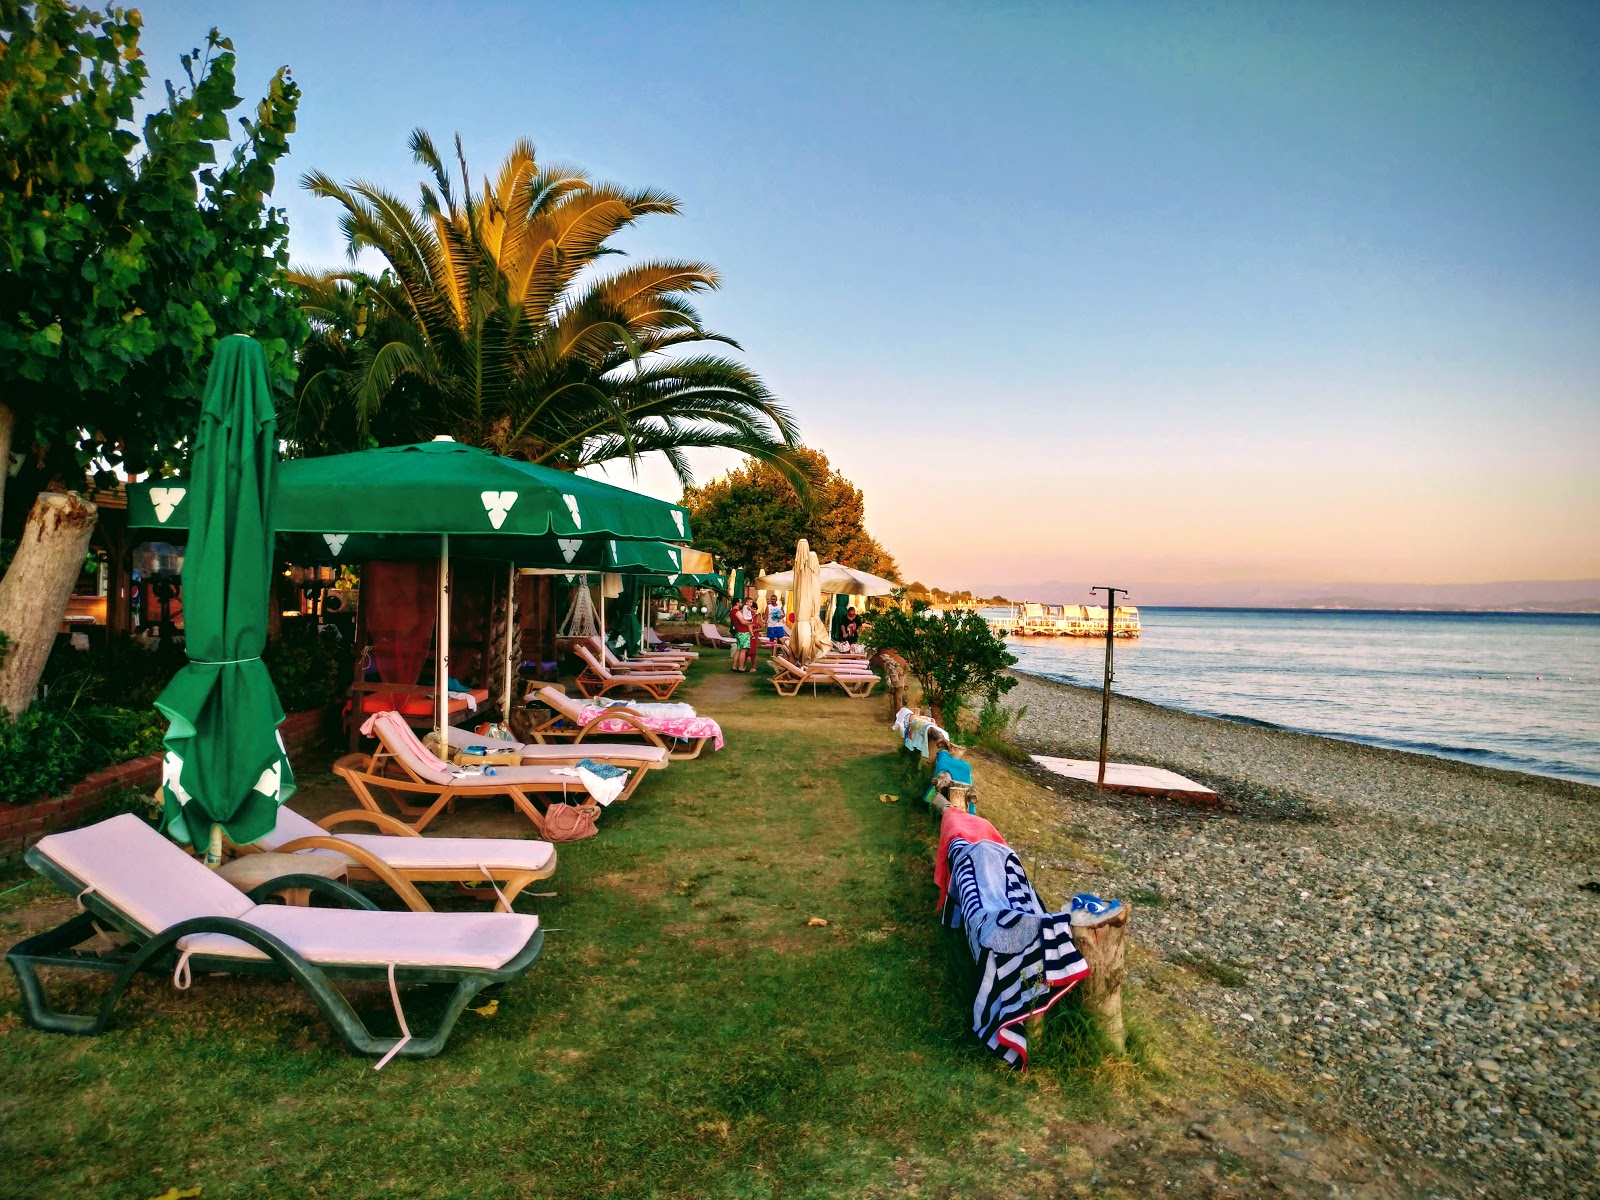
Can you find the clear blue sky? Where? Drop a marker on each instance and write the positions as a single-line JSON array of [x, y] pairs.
[[1304, 292]]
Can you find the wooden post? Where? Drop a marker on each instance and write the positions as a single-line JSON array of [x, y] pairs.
[[1105, 695], [1104, 948]]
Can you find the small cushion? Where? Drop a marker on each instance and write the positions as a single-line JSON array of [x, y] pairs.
[[143, 875], [329, 936], [411, 706]]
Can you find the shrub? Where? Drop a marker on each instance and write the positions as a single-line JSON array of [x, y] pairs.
[[953, 655], [309, 669]]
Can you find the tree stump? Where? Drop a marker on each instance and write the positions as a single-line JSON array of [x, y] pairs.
[[1104, 948]]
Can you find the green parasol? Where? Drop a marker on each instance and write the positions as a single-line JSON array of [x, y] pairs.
[[225, 769], [439, 487]]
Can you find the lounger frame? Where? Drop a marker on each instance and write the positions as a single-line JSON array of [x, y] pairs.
[[59, 948], [788, 679], [367, 866], [596, 679]]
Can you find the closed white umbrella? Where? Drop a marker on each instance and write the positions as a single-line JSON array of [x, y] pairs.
[[810, 630]]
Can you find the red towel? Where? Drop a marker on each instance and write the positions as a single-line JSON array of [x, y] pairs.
[[958, 824]]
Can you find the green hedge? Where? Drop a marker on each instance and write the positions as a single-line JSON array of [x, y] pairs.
[[97, 707]]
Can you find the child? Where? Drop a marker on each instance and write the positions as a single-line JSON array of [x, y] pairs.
[[775, 616]]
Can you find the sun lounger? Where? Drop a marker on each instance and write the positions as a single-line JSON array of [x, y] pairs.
[[596, 679], [575, 718], [179, 916], [635, 756], [660, 664], [788, 678], [402, 766], [400, 857], [710, 635], [655, 644]]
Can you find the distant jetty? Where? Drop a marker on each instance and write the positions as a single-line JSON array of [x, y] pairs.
[[1060, 620]]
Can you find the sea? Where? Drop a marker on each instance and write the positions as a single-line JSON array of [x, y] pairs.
[[1519, 691]]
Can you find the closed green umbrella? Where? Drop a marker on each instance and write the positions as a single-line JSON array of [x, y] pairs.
[[225, 769]]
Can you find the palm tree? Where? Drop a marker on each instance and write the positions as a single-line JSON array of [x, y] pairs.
[[493, 322]]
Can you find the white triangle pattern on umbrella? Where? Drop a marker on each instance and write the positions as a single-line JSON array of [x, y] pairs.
[[497, 505], [171, 769], [165, 501]]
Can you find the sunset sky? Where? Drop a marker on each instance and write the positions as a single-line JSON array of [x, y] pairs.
[[1241, 292]]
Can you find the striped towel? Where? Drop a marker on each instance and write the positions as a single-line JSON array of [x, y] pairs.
[[1026, 958]]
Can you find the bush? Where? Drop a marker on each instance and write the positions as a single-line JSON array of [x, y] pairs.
[[309, 669], [953, 655]]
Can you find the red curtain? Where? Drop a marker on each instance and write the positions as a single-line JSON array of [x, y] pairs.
[[400, 604]]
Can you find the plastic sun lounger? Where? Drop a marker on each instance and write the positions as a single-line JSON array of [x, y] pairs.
[[179, 916], [660, 664], [401, 766], [567, 721], [710, 635], [788, 679], [635, 756], [658, 645], [596, 679], [400, 857]]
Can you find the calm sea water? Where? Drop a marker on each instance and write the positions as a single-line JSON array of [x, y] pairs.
[[1520, 691]]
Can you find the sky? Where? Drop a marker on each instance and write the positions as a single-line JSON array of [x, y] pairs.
[[1182, 294]]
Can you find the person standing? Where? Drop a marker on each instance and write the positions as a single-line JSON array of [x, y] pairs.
[[775, 620], [741, 620]]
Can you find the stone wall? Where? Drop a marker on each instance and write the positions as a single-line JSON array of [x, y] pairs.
[[21, 825]]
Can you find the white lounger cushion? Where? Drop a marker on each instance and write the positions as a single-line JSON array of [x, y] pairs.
[[331, 936], [140, 873], [419, 853]]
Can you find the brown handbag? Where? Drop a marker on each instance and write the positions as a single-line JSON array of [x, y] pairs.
[[570, 822]]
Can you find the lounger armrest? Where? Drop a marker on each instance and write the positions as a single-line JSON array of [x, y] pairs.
[[346, 895], [402, 887], [383, 822], [627, 717]]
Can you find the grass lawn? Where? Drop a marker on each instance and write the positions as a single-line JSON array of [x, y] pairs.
[[686, 1033]]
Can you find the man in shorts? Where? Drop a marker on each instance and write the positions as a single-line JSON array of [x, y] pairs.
[[742, 620], [775, 620]]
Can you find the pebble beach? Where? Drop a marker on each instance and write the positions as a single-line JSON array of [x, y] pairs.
[[1408, 935]]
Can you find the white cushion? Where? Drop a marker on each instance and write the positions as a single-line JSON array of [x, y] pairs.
[[571, 752], [290, 825], [400, 741], [329, 936], [142, 874], [433, 854]]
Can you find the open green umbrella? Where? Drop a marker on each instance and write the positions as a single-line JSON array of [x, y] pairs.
[[225, 769]]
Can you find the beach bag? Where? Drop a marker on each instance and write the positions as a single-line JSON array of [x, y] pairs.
[[570, 822]]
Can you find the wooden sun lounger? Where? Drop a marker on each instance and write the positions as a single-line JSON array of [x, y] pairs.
[[661, 664], [788, 679], [656, 644], [566, 721], [181, 918], [596, 679], [402, 766], [401, 857]]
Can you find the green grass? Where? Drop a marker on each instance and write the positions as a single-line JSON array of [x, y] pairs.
[[687, 1033]]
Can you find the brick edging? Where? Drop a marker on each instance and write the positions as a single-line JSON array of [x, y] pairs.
[[21, 825]]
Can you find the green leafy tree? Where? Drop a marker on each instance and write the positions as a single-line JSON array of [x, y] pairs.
[[753, 516], [125, 253], [493, 323], [953, 655]]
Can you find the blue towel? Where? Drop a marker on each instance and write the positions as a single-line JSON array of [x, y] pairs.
[[960, 770], [603, 770]]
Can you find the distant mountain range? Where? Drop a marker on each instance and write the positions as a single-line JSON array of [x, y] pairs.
[[1538, 595]]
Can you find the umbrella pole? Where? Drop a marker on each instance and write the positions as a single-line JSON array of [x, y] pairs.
[[511, 616], [441, 687], [602, 578], [214, 850]]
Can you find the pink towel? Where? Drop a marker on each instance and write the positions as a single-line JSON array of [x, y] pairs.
[[957, 824]]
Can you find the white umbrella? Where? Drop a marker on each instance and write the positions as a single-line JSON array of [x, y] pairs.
[[834, 579], [810, 630]]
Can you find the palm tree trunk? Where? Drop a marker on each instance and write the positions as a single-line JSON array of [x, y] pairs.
[[33, 594]]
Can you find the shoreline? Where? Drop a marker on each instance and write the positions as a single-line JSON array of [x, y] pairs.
[[1407, 933], [1350, 740]]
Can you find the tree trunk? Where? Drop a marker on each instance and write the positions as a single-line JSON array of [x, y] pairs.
[[1104, 948], [33, 595], [8, 426]]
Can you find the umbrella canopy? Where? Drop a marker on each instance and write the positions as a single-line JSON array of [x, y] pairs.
[[835, 580], [590, 555], [810, 638], [438, 487], [224, 763]]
